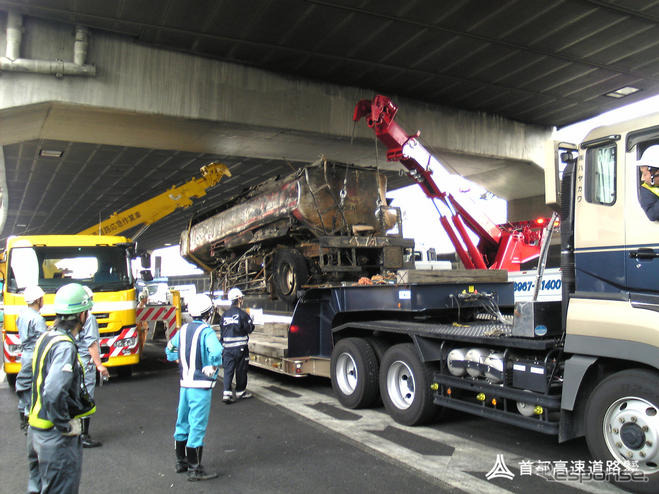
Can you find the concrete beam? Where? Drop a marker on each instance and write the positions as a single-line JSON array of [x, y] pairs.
[[156, 98]]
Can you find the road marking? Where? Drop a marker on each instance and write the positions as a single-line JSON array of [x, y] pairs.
[[368, 431]]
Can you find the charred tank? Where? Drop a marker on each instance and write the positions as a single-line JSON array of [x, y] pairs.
[[325, 222]]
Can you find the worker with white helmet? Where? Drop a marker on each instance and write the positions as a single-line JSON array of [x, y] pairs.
[[30, 324], [649, 165], [199, 354], [90, 356], [236, 325], [59, 398]]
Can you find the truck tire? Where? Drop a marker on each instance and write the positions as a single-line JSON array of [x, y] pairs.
[[379, 346], [405, 386], [354, 373], [289, 273], [622, 417]]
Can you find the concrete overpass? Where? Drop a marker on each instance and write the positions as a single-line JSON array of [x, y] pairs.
[[150, 117]]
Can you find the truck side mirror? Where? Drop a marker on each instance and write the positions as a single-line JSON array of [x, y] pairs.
[[557, 154], [146, 275]]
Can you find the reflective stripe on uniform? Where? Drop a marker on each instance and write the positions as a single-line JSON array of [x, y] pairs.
[[39, 357], [235, 338], [234, 341], [188, 363], [234, 345], [37, 370]]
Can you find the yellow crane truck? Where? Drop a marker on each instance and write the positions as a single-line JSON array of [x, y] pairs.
[[100, 262], [99, 259]]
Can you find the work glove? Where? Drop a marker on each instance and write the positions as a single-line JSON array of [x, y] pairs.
[[76, 428], [209, 370]]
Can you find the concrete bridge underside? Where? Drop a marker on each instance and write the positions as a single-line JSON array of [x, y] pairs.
[[194, 108]]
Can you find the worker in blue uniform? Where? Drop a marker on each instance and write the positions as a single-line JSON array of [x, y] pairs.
[[235, 327], [90, 355], [199, 354], [59, 399], [30, 324], [649, 192]]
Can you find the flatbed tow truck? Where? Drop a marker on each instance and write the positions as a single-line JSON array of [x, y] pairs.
[[587, 365]]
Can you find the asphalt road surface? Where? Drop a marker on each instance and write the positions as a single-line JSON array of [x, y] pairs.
[[292, 437]]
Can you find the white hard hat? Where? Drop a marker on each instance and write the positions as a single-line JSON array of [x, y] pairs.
[[650, 157], [32, 293], [199, 304], [235, 294], [89, 293]]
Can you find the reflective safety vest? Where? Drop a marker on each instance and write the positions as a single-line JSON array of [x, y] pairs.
[[42, 348], [190, 363], [653, 189]]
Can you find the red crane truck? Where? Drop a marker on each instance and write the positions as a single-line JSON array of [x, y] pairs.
[[587, 365]]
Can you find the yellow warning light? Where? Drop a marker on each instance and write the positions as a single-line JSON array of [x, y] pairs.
[[494, 402], [449, 391], [538, 410], [434, 386], [480, 396]]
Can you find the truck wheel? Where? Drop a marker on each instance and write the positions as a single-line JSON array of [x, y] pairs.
[[405, 386], [354, 372], [289, 272], [378, 345], [622, 424], [380, 348]]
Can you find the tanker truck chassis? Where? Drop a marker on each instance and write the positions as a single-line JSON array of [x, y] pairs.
[[325, 223]]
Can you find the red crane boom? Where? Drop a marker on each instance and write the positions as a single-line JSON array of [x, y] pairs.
[[499, 246]]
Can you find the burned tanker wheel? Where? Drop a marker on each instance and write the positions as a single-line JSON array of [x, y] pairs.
[[289, 273]]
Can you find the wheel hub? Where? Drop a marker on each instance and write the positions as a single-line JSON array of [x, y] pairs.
[[400, 385], [346, 373], [631, 432], [632, 436]]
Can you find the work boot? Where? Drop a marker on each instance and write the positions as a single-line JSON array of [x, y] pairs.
[[181, 460], [87, 441], [24, 423], [195, 470]]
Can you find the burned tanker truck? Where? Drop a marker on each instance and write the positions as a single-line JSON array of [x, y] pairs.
[[325, 223]]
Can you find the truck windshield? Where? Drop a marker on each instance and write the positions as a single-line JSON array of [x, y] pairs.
[[102, 268]]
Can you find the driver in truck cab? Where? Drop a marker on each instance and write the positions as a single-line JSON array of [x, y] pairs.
[[649, 193]]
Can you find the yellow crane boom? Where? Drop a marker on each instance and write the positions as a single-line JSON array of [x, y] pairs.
[[151, 210]]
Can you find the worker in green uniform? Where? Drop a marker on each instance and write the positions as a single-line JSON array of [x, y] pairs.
[[59, 398]]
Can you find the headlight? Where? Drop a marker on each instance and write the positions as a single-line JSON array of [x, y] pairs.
[[126, 342]]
